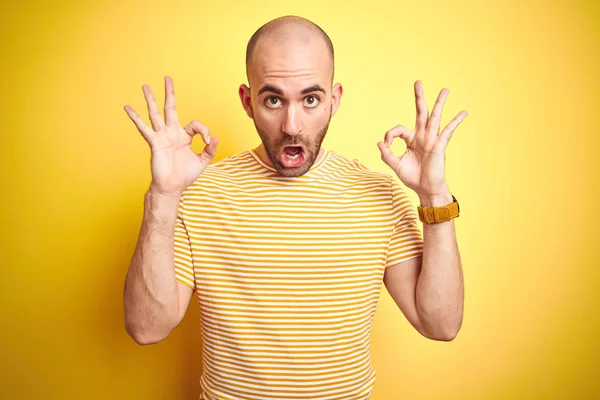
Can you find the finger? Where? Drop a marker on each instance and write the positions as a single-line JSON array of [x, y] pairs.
[[155, 117], [170, 113], [388, 155], [446, 134], [196, 127], [422, 112], [435, 119], [144, 129], [398, 131]]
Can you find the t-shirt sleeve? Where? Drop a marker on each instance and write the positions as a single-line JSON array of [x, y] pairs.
[[184, 266], [407, 240]]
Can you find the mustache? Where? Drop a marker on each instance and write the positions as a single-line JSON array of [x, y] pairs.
[[294, 141]]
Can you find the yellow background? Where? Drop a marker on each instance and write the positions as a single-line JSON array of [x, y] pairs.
[[522, 164]]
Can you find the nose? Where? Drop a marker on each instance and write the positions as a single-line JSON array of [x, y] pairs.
[[292, 124]]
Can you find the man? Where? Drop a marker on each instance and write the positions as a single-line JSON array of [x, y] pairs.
[[287, 244]]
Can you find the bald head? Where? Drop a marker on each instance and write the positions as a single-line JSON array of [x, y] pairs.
[[285, 33]]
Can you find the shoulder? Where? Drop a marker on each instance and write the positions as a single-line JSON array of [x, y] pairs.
[[230, 164], [359, 172], [221, 173]]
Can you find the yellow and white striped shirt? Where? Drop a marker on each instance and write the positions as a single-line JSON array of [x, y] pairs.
[[288, 272]]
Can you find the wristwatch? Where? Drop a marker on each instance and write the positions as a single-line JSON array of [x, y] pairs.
[[434, 215]]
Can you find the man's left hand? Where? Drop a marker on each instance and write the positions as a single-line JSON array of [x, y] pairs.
[[421, 167]]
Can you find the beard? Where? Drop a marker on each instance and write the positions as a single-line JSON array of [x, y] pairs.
[[274, 149]]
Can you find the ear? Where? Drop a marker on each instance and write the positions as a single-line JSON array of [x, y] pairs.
[[244, 93], [336, 96]]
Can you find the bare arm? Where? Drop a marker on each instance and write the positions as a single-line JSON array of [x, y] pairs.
[[428, 289], [440, 289], [155, 302]]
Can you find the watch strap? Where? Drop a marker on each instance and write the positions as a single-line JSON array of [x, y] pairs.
[[434, 215]]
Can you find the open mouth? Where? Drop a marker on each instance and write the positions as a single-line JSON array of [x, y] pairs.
[[292, 156]]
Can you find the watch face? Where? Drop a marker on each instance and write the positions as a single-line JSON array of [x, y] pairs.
[[457, 205]]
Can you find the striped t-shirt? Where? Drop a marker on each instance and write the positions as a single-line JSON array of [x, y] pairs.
[[288, 272]]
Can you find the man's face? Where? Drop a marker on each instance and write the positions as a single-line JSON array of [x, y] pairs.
[[291, 102]]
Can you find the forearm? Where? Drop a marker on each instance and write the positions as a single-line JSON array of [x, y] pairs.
[[440, 286], [151, 293]]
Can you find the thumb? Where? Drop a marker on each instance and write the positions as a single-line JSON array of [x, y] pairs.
[[388, 155]]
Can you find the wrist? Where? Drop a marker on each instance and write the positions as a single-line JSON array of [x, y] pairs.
[[158, 194], [437, 200]]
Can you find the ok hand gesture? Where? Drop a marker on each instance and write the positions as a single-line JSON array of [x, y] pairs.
[[421, 167], [175, 166]]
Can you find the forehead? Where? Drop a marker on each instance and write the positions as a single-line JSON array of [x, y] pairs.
[[291, 65]]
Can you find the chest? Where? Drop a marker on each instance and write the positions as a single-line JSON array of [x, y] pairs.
[[302, 245]]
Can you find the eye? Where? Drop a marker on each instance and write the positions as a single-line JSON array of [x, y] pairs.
[[313, 103], [272, 102]]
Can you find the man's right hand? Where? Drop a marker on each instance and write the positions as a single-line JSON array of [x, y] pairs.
[[175, 166]]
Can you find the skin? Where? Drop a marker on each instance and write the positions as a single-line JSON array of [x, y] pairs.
[[428, 289], [290, 60], [154, 302]]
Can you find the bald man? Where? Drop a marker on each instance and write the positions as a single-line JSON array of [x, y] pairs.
[[291, 56], [286, 245]]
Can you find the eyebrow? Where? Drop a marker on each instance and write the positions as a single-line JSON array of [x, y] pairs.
[[276, 90]]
